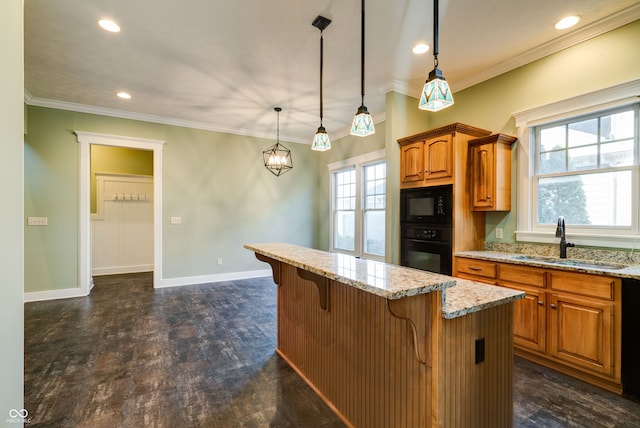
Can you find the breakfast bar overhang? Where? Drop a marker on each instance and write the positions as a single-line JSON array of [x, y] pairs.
[[389, 346]]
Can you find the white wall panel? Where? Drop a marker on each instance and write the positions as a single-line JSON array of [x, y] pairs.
[[122, 228]]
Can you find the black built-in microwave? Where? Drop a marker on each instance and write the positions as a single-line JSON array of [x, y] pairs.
[[427, 205]]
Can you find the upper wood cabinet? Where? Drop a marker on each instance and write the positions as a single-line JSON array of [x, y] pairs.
[[411, 162], [491, 172], [436, 157]]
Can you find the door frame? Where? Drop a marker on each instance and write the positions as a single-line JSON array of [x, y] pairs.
[[85, 140]]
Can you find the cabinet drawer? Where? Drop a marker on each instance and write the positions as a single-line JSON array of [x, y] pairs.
[[515, 274], [584, 284], [478, 268]]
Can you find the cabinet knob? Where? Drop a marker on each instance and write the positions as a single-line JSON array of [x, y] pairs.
[[488, 196], [553, 306], [540, 302]]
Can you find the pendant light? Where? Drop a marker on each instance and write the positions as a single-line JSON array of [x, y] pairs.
[[277, 158], [436, 94], [321, 139], [362, 122]]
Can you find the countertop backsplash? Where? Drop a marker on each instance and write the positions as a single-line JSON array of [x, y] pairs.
[[603, 255]]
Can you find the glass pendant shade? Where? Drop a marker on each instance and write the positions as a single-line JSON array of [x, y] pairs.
[[321, 141], [362, 123], [436, 94], [277, 159]]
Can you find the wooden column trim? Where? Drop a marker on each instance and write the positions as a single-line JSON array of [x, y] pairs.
[[416, 310], [321, 282], [275, 266]]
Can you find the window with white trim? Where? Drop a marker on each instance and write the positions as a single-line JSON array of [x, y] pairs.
[[358, 206], [585, 169], [580, 158]]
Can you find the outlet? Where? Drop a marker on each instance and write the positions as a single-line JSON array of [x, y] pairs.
[[37, 221], [499, 233], [479, 350], [176, 220], [219, 260]]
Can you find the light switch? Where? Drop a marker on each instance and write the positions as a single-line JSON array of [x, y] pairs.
[[176, 220], [499, 233], [36, 221]]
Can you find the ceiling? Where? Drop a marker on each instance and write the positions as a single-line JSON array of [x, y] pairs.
[[224, 65]]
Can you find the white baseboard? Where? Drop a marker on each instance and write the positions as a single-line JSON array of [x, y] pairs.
[[205, 279], [67, 293], [37, 296], [115, 270]]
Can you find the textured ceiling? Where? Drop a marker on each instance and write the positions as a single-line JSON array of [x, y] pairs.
[[224, 65]]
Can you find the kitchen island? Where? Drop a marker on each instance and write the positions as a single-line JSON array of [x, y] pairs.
[[389, 346]]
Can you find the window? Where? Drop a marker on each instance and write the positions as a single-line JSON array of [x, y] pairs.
[[344, 217], [584, 170], [358, 206], [580, 158]]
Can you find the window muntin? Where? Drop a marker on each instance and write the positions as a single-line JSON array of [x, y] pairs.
[[584, 171], [345, 209], [358, 206], [375, 183]]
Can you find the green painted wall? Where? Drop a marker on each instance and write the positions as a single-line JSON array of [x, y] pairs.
[[216, 182], [118, 160], [11, 214]]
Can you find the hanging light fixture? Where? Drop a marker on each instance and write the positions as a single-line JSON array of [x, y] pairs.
[[436, 94], [362, 122], [277, 158], [321, 139]]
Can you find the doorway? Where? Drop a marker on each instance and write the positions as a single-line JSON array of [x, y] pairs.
[[85, 141], [121, 210]]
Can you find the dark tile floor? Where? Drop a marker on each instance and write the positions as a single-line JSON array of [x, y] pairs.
[[203, 356]]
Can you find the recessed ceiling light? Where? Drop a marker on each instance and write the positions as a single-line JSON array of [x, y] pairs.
[[109, 25], [124, 95], [420, 48], [567, 22]]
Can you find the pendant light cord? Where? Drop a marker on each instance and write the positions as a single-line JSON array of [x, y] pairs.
[[435, 32], [362, 57], [321, 63]]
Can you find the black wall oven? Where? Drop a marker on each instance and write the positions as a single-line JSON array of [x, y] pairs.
[[425, 228]]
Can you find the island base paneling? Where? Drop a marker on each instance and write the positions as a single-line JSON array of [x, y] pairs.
[[360, 355]]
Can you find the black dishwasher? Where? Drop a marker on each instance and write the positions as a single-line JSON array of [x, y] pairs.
[[631, 338]]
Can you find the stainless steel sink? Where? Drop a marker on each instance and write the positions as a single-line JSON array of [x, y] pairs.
[[570, 262]]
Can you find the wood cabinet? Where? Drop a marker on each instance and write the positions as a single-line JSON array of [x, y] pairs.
[[491, 172], [582, 309], [530, 319], [412, 162], [569, 321], [437, 157]]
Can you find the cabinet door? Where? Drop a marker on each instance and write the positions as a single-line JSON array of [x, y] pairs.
[[581, 331], [411, 162], [483, 176], [438, 157], [529, 317]]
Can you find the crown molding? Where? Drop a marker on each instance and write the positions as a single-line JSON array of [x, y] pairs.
[[583, 34], [123, 114]]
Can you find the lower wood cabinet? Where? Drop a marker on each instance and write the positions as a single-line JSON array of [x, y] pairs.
[[581, 332], [568, 321]]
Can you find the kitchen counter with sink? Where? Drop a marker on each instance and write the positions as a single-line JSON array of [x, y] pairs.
[[614, 269]]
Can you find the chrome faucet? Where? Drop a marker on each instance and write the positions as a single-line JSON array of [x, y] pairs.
[[560, 233]]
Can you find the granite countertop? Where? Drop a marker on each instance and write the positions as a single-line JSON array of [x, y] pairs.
[[471, 296], [614, 269], [459, 297]]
